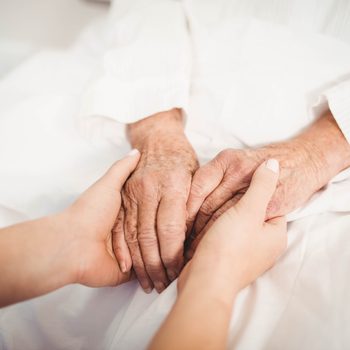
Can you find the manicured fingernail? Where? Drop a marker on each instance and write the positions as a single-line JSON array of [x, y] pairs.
[[172, 275], [273, 165], [123, 267], [159, 286], [133, 152]]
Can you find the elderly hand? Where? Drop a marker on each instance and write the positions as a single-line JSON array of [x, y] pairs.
[[154, 200], [307, 163], [241, 245]]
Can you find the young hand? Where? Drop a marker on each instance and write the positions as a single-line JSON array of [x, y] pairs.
[[240, 245], [89, 224]]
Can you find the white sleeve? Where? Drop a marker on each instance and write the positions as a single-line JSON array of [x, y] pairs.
[[338, 98], [146, 70]]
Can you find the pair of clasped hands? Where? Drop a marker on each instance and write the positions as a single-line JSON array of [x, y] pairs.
[[241, 239], [77, 245]]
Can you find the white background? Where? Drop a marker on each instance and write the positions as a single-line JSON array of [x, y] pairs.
[[30, 25]]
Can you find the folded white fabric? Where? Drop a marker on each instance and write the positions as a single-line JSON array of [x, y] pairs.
[[147, 68], [338, 99], [254, 81]]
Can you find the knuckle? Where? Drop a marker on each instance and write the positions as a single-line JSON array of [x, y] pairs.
[[225, 153], [140, 188], [154, 270], [147, 240], [170, 262], [145, 183], [172, 255], [198, 188], [171, 230], [118, 251], [224, 158], [132, 242], [206, 209]]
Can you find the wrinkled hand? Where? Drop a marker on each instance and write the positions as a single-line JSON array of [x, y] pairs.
[[88, 224], [219, 185], [240, 245], [154, 201]]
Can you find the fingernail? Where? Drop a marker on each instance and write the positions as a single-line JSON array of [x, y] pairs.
[[273, 165], [133, 152], [172, 275], [123, 267], [159, 286], [148, 290], [189, 254]]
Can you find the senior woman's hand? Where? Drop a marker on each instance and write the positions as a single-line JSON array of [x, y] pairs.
[[307, 162], [154, 200]]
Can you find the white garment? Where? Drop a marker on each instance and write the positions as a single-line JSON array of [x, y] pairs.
[[258, 51], [257, 67]]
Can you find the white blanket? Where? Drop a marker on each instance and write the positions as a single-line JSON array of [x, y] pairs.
[[47, 159]]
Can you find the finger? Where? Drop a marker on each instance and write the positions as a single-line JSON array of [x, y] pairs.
[[276, 226], [107, 188], [119, 172], [204, 181], [226, 206], [120, 247], [223, 193], [276, 236], [279, 222], [211, 204], [147, 238], [261, 189], [171, 227], [130, 227]]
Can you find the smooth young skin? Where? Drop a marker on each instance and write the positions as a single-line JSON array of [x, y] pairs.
[[238, 248], [75, 246]]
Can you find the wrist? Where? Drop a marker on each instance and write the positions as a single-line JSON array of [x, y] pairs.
[[214, 277], [326, 140], [67, 252], [164, 124]]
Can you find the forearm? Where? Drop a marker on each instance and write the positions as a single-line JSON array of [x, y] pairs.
[[169, 122], [161, 140], [322, 146], [33, 260], [201, 315], [325, 139]]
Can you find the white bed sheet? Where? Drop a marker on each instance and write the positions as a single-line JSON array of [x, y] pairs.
[[47, 159]]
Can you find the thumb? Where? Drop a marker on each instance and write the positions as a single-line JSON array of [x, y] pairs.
[[119, 172], [261, 189]]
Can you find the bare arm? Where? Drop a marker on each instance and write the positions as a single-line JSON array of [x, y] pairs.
[[74, 246]]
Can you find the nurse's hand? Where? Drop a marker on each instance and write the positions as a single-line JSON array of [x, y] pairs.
[[154, 200], [237, 249], [240, 245], [74, 246], [307, 163], [89, 223]]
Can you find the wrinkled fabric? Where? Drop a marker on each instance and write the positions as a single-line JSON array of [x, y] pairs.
[[258, 72]]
